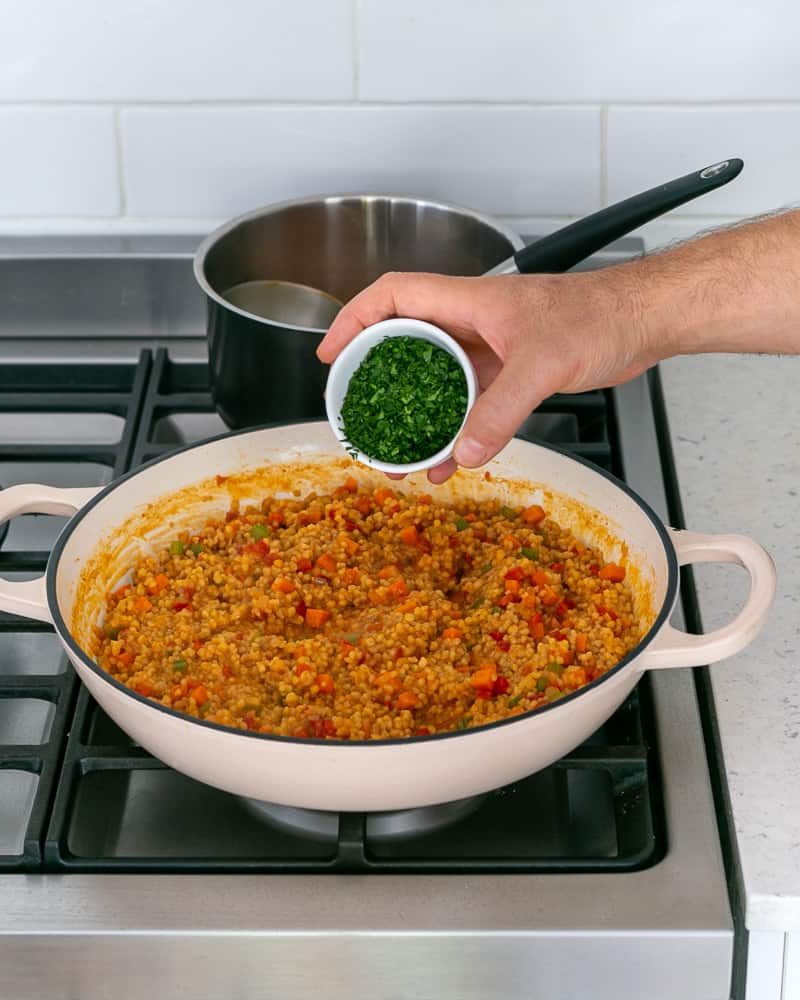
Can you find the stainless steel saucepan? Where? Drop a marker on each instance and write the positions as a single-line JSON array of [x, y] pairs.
[[274, 278], [115, 524]]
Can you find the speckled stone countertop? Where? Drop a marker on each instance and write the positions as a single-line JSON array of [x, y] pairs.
[[735, 425]]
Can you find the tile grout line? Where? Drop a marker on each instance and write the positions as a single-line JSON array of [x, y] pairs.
[[123, 194], [604, 156], [188, 104], [356, 51]]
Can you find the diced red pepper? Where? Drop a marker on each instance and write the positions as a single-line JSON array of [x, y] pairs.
[[304, 565], [501, 685], [301, 608], [557, 567], [517, 573]]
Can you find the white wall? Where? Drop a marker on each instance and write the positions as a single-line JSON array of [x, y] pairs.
[[152, 115]]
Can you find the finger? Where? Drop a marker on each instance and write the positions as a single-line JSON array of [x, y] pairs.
[[441, 473], [517, 390], [437, 298]]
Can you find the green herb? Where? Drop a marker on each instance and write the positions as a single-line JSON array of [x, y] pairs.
[[542, 683], [196, 548], [532, 554], [477, 602], [461, 524], [484, 569], [555, 668], [352, 637], [111, 633], [176, 548], [405, 401], [179, 665], [259, 531], [553, 694], [509, 512], [513, 702], [464, 721], [497, 610]]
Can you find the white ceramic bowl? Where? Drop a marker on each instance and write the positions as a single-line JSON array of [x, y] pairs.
[[351, 357]]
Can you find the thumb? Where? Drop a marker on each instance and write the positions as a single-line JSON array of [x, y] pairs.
[[499, 411]]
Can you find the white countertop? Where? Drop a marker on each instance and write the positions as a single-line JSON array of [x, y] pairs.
[[735, 425]]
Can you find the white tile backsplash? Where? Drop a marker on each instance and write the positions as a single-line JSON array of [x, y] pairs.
[[520, 108], [57, 161], [649, 145], [579, 50], [221, 161], [176, 50]]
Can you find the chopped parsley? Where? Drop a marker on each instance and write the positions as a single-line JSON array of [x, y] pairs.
[[461, 524], [259, 531], [531, 554], [405, 401]]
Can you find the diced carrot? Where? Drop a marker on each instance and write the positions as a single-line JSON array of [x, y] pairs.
[[316, 617], [485, 676], [510, 540], [351, 575], [325, 683], [120, 592], [126, 657], [451, 633], [350, 485], [382, 495], [540, 577], [161, 581], [512, 586], [406, 699], [536, 629], [304, 565], [378, 596], [387, 572], [409, 535], [364, 505], [283, 585], [517, 573], [326, 562], [507, 599], [276, 519], [145, 688], [612, 572], [424, 499], [301, 667], [581, 643], [533, 514], [548, 596], [398, 589], [200, 695], [141, 605], [350, 546], [407, 606]]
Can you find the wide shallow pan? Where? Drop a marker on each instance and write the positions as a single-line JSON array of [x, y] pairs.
[[111, 525]]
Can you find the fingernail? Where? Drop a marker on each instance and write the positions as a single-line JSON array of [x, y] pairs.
[[470, 453]]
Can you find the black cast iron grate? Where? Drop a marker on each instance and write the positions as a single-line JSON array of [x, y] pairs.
[[69, 425], [119, 809]]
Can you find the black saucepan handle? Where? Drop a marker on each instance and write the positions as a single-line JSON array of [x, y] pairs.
[[561, 250]]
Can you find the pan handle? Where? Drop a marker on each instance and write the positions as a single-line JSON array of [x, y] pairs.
[[674, 648], [28, 598], [567, 247]]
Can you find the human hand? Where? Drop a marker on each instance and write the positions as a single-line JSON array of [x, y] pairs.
[[527, 336]]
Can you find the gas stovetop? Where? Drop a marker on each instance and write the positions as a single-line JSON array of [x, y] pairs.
[[605, 863]]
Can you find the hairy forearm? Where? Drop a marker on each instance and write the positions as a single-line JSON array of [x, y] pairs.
[[734, 290]]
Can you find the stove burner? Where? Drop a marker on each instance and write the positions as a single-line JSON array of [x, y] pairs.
[[380, 827]]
